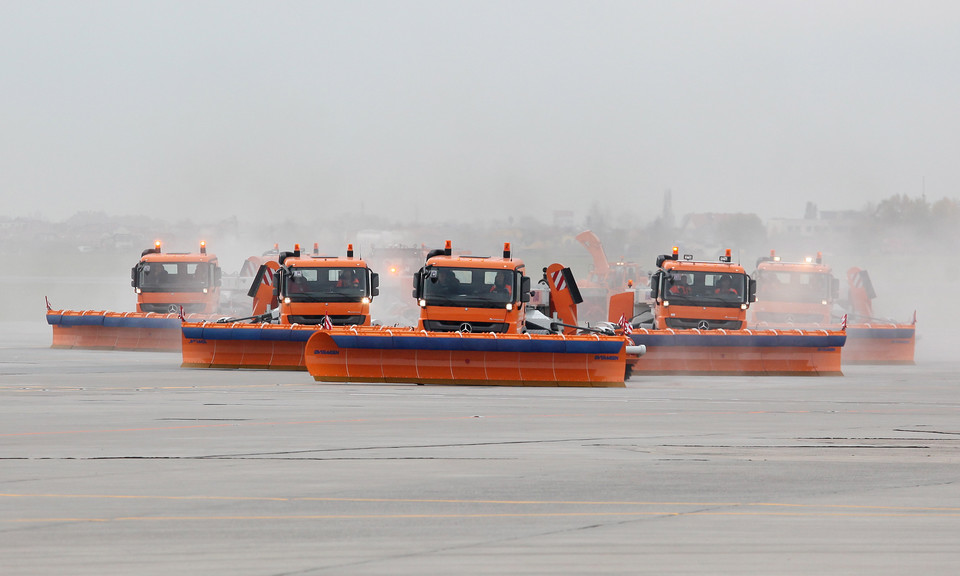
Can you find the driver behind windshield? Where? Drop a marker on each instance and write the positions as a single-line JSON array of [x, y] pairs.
[[447, 282], [725, 287], [500, 286]]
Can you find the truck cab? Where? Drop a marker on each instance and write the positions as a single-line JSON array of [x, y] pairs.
[[165, 281], [790, 293], [471, 293], [311, 288], [690, 294]]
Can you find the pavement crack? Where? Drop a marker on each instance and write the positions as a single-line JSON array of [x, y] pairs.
[[926, 431]]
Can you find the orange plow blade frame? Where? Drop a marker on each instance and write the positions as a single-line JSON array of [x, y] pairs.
[[483, 359], [880, 344], [105, 330], [741, 352], [243, 345]]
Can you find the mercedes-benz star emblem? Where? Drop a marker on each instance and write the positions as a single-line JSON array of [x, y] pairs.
[[703, 325], [465, 327]]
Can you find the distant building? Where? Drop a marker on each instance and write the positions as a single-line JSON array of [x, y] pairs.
[[563, 218], [827, 222]]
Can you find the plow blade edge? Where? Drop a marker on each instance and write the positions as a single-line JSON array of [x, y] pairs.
[[872, 344], [740, 352], [104, 330], [241, 345], [467, 359]]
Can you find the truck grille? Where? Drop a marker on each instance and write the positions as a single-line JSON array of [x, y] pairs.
[[336, 320], [690, 323], [449, 326], [173, 308]]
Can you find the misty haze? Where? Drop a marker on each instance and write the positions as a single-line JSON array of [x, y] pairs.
[[795, 126], [476, 443]]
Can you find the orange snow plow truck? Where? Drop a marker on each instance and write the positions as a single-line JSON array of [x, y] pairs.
[[804, 294], [702, 295], [314, 289], [472, 330], [471, 293], [165, 281]]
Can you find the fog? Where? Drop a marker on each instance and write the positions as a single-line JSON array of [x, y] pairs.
[[457, 111], [245, 123]]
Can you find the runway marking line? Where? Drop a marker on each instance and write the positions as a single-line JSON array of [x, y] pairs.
[[491, 515], [737, 509], [407, 419]]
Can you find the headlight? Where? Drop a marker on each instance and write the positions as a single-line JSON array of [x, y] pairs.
[[743, 306], [204, 290], [824, 302], [365, 300], [423, 303], [509, 306], [139, 291], [286, 300], [666, 303]]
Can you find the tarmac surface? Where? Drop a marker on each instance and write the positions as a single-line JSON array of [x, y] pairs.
[[124, 463]]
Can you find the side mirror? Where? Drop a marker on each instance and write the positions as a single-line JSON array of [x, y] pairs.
[[133, 276], [418, 284], [752, 290], [655, 285], [217, 276], [834, 288], [524, 288], [374, 284]]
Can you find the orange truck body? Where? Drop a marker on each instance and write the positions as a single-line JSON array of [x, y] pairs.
[[165, 281], [693, 295], [794, 293], [311, 288], [471, 293]]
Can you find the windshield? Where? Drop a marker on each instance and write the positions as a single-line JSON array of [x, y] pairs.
[[784, 286], [720, 289], [175, 276], [325, 284], [477, 287]]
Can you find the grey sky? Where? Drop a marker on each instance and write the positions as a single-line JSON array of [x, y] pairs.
[[452, 110]]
